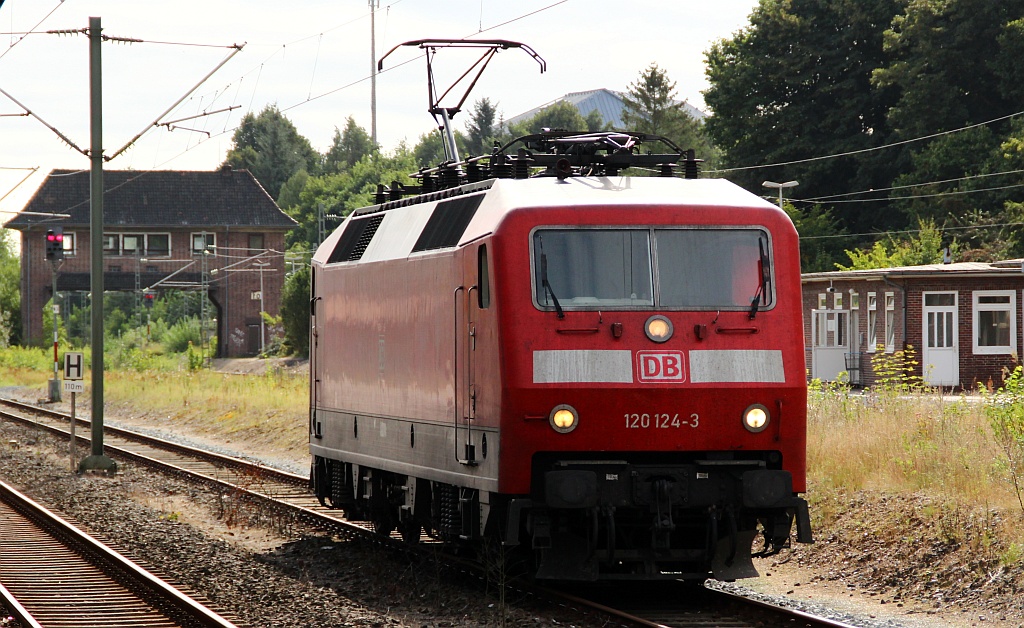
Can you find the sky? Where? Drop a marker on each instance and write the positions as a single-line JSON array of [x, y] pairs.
[[312, 59]]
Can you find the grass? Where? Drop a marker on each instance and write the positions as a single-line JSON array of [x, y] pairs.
[[268, 411], [937, 453]]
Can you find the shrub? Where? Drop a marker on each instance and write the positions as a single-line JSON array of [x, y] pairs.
[[1005, 411], [182, 334]]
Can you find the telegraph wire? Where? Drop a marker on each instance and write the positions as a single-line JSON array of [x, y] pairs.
[[32, 31], [909, 185], [872, 149]]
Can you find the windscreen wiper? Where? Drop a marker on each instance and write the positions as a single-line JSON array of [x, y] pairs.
[[545, 283], [766, 277]]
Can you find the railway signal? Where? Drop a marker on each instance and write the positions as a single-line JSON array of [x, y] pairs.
[[55, 244]]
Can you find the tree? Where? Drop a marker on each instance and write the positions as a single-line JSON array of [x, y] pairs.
[[347, 148], [480, 129], [341, 193], [926, 248], [10, 291], [270, 147], [796, 83], [560, 115], [819, 248], [429, 150], [295, 311]]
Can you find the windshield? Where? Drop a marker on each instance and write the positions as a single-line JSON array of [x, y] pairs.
[[593, 267], [716, 268]]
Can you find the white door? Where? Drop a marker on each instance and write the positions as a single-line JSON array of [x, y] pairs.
[[830, 342], [941, 358]]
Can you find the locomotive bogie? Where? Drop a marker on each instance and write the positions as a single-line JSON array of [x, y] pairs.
[[606, 374]]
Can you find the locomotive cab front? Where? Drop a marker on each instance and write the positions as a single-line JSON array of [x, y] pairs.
[[656, 418]]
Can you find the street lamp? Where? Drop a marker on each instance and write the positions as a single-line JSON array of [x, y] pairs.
[[780, 186]]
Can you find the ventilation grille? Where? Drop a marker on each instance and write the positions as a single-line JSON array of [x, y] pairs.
[[355, 239], [448, 223]]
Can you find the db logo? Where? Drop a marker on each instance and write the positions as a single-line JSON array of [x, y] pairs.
[[660, 366]]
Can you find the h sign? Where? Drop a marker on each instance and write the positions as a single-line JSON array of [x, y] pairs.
[[660, 366], [74, 365]]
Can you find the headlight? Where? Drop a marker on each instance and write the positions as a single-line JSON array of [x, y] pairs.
[[658, 328], [563, 418], [755, 418]]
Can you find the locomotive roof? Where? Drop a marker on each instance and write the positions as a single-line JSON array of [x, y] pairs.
[[405, 223]]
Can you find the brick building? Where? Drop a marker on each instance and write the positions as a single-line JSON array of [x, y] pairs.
[[216, 232], [963, 320]]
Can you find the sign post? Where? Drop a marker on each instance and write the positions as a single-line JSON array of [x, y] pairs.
[[74, 367]]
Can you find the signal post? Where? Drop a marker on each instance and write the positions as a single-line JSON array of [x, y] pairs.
[[55, 255]]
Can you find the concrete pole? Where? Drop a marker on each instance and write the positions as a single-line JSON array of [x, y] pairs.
[[97, 461]]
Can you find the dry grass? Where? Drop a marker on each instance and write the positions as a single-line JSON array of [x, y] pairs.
[[266, 412], [912, 443]]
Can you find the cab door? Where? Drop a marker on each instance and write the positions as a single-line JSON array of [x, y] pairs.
[[470, 299]]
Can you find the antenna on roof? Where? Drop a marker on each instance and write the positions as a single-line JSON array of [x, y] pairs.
[[443, 115]]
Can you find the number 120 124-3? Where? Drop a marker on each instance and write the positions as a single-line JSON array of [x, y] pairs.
[[659, 421]]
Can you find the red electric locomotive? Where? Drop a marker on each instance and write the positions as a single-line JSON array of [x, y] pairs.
[[602, 372]]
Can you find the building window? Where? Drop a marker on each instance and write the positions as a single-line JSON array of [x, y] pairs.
[[854, 300], [132, 243], [203, 241], [872, 322], [158, 245], [69, 244], [111, 244], [837, 300], [255, 243], [137, 244], [890, 322], [995, 321], [822, 303]]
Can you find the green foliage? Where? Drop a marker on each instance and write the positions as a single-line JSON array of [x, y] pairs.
[[28, 358], [270, 147], [650, 107], [10, 291], [1005, 412], [295, 311], [926, 248], [62, 332], [347, 148], [819, 250], [275, 335], [344, 192], [194, 358], [796, 83], [429, 150], [560, 115], [896, 372], [480, 129], [180, 336]]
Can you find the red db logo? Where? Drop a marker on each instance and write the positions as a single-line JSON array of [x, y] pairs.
[[660, 366]]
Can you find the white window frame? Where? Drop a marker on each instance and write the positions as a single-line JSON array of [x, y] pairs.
[[210, 238], [890, 322], [150, 253], [70, 244], [118, 250], [822, 301], [837, 300], [977, 308], [872, 322]]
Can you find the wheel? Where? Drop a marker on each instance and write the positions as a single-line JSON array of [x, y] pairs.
[[410, 530]]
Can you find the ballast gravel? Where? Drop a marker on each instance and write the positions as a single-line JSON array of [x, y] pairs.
[[311, 580]]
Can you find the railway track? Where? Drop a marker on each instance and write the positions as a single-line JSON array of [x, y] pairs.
[[54, 575], [678, 604]]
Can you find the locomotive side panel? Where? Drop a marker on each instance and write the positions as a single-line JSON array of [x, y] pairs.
[[387, 360]]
